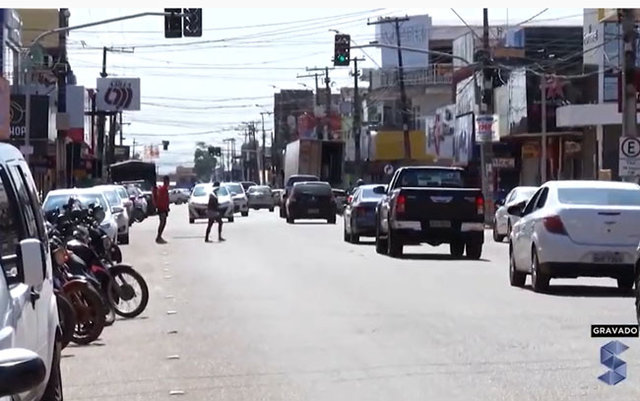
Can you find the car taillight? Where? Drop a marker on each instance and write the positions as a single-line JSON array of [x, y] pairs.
[[554, 225], [349, 199], [480, 205], [400, 204]]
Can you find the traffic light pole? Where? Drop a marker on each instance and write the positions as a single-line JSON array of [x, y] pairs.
[[327, 81]]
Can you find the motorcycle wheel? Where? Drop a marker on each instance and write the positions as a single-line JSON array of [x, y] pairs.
[[122, 292], [116, 253], [67, 317], [89, 308]]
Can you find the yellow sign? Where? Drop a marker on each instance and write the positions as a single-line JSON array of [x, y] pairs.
[[389, 145]]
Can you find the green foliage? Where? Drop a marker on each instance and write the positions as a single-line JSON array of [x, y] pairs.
[[204, 162]]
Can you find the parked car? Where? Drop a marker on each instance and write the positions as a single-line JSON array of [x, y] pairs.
[[360, 213], [503, 221], [240, 201], [260, 197], [199, 201], [289, 186], [30, 343], [118, 210], [571, 229], [56, 199], [341, 199], [433, 205], [179, 196], [311, 200]]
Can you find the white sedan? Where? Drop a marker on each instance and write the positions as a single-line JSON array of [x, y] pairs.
[[503, 221], [199, 202], [571, 229]]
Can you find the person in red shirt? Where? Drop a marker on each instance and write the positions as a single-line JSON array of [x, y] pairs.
[[161, 201]]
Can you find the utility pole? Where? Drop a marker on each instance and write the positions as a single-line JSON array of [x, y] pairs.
[[629, 102], [327, 81], [487, 109], [403, 93], [356, 116], [316, 76], [264, 148]]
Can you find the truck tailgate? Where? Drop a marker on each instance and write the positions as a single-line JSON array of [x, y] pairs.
[[452, 204]]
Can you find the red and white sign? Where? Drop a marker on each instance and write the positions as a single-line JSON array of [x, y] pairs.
[[487, 128]]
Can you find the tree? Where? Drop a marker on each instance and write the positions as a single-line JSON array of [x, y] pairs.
[[204, 162]]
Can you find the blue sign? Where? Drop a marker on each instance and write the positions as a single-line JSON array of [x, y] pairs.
[[617, 367]]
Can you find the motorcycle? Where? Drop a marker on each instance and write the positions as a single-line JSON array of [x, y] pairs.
[[87, 303]]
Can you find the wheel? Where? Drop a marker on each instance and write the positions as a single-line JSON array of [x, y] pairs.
[[381, 244], [497, 237], [625, 284], [230, 219], [355, 238], [290, 220], [89, 308], [123, 292], [271, 209], [474, 250], [539, 280], [123, 239], [244, 214], [508, 228], [282, 214], [456, 249], [347, 237], [191, 221], [53, 391], [331, 220], [516, 278], [67, 317], [394, 246]]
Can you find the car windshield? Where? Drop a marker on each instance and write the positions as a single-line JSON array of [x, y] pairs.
[[221, 191], [133, 191], [54, 202], [367, 193], [247, 185], [260, 190], [237, 188], [431, 178], [123, 194], [599, 196], [112, 198], [200, 190], [313, 189]]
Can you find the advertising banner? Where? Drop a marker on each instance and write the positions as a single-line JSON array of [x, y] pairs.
[[463, 140], [115, 94], [440, 133]]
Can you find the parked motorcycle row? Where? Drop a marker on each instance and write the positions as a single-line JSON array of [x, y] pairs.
[[92, 283]]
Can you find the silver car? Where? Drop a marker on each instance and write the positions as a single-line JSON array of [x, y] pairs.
[[260, 197], [503, 221]]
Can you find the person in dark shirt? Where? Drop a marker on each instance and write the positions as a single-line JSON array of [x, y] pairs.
[[161, 201], [214, 214]]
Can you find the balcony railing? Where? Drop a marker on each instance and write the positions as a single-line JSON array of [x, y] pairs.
[[435, 74]]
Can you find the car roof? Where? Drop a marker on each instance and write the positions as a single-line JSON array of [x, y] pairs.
[[431, 168], [9, 153], [591, 184]]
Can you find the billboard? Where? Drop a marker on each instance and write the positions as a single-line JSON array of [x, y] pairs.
[[463, 140], [440, 131], [115, 94], [414, 33], [76, 99]]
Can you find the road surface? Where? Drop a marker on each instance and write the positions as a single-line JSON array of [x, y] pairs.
[[291, 312]]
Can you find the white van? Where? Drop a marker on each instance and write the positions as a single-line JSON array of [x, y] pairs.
[[29, 328]]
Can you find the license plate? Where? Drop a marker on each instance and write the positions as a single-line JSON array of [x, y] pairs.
[[314, 211], [439, 223], [607, 257]]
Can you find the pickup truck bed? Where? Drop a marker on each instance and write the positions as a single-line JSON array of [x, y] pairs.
[[432, 213]]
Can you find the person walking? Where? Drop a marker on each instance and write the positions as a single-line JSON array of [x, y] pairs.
[[161, 202], [214, 214]]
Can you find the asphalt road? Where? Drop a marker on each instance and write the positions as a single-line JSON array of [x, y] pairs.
[[282, 312]]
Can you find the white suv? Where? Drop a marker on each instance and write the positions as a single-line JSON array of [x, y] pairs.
[[29, 328]]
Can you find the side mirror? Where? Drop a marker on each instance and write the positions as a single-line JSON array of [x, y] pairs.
[[31, 258], [20, 370], [516, 210], [380, 190]]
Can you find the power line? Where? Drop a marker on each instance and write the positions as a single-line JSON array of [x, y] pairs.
[[532, 18]]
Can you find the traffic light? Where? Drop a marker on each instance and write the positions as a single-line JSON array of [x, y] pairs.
[[192, 22], [342, 48], [173, 23], [165, 145]]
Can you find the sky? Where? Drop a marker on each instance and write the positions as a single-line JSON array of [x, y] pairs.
[[204, 89]]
